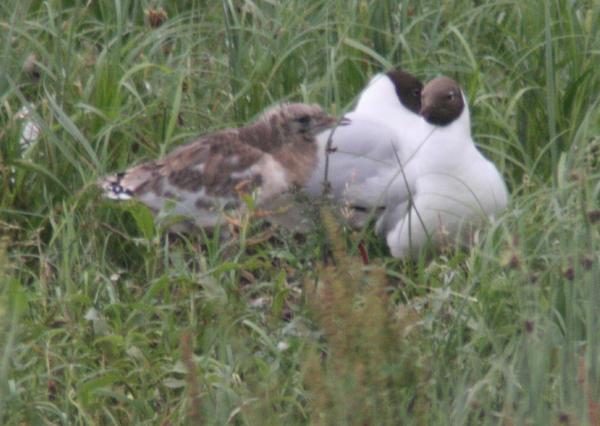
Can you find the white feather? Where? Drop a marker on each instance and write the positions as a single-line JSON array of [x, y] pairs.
[[456, 188], [371, 154]]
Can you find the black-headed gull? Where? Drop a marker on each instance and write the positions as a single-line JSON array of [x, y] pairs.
[[200, 180], [362, 164], [455, 186]]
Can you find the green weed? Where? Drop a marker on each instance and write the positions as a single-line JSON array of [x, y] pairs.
[[104, 320]]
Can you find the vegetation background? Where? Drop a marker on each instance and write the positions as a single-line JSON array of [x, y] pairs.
[[105, 321]]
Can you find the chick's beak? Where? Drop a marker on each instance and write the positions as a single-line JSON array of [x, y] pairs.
[[338, 122], [331, 121], [344, 121]]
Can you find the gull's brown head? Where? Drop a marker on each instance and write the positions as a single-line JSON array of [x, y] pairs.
[[408, 89], [441, 101]]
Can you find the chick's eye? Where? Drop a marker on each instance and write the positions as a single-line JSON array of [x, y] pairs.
[[305, 119], [450, 96]]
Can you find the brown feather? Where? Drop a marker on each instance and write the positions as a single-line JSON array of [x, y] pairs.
[[273, 154]]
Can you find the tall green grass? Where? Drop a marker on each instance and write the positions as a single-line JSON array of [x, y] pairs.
[[104, 320]]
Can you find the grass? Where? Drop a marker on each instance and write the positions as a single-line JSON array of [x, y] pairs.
[[105, 321]]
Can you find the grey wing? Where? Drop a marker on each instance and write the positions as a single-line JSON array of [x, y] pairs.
[[364, 166]]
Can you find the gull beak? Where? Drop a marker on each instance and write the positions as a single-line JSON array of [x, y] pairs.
[[425, 111], [344, 121], [332, 122]]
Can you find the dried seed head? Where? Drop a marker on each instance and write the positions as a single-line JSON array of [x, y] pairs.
[[31, 68], [587, 263], [569, 273], [156, 17], [576, 176], [510, 259], [514, 262], [594, 216]]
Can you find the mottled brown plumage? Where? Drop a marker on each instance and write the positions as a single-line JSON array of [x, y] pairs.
[[201, 179]]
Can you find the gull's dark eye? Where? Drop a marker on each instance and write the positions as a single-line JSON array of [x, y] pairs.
[[305, 119], [450, 96], [417, 93]]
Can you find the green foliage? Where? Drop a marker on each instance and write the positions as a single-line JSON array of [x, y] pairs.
[[368, 371], [104, 320]]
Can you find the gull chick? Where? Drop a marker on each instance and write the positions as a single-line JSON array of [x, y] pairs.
[[455, 187], [365, 156], [202, 179]]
